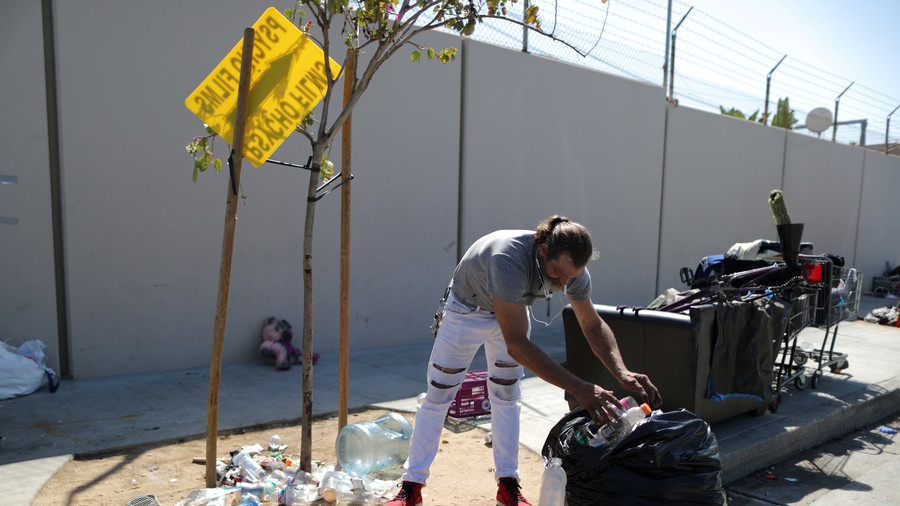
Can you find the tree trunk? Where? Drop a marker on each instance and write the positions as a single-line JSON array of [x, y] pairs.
[[306, 414]]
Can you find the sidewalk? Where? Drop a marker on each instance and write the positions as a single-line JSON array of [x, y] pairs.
[[42, 431]]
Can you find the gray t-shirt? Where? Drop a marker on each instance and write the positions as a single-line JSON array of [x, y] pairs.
[[504, 264]]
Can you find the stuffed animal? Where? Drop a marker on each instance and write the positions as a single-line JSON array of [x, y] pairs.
[[276, 344]]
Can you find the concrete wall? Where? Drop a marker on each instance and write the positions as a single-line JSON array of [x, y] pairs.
[[825, 181], [544, 137], [526, 136], [27, 286], [878, 230], [718, 174]]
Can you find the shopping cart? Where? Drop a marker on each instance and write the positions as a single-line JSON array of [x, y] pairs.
[[791, 358], [838, 290]]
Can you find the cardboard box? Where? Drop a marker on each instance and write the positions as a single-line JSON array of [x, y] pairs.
[[472, 397]]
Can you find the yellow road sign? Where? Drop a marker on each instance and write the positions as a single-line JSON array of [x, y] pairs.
[[287, 81]]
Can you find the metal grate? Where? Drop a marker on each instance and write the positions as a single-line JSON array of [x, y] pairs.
[[143, 500]]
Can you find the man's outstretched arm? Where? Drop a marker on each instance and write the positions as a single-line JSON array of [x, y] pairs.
[[603, 343]]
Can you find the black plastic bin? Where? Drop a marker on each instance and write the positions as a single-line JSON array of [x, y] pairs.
[[675, 350]]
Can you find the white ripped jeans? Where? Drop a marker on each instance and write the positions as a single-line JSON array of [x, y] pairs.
[[462, 332]]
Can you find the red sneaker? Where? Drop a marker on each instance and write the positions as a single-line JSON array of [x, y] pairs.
[[508, 493], [410, 495]]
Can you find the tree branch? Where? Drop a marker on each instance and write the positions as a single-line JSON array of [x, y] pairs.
[[539, 31], [305, 134]]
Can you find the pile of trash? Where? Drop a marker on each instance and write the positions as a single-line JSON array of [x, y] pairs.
[[254, 476], [888, 315]]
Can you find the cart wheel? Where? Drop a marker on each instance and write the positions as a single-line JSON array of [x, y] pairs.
[[814, 381], [802, 382], [773, 407], [840, 367], [801, 358]]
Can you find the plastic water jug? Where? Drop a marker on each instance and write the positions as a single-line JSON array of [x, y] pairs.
[[365, 447]]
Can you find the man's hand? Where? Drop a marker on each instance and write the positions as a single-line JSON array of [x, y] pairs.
[[596, 401], [640, 383]]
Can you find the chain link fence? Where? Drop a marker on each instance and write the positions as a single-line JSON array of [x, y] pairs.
[[715, 64]]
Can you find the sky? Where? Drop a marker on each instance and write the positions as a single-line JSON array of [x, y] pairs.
[[847, 38], [858, 40], [726, 48]]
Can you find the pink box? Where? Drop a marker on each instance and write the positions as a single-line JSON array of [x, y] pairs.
[[472, 397]]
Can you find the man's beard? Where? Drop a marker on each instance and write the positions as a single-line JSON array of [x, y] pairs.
[[553, 285], [550, 284]]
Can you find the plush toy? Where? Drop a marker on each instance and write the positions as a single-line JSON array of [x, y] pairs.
[[276, 344]]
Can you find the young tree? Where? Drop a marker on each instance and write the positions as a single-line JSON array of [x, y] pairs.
[[381, 28]]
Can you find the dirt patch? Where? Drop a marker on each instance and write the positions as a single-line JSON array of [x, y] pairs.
[[461, 474]]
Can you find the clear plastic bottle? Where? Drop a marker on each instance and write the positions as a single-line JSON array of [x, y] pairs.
[[624, 423], [624, 420], [299, 494], [334, 484], [253, 490], [365, 447], [245, 461], [553, 485]]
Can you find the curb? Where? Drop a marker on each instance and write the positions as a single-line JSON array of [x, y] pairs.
[[841, 416]]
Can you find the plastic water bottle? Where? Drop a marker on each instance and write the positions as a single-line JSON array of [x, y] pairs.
[[623, 424], [369, 446], [333, 484], [624, 420], [299, 494], [302, 489], [250, 466], [588, 433], [341, 488], [553, 485]]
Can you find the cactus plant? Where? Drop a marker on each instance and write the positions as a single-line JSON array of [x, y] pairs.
[[779, 210]]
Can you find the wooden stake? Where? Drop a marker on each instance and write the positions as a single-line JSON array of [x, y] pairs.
[[346, 155], [231, 203]]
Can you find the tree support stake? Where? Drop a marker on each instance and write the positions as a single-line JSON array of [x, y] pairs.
[[231, 204]]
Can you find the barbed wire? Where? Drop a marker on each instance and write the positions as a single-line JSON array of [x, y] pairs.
[[716, 64]]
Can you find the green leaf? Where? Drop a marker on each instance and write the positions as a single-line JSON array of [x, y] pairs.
[[289, 13], [218, 164], [195, 173], [415, 56], [334, 6]]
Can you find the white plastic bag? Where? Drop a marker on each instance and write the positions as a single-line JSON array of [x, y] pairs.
[[22, 370], [19, 375]]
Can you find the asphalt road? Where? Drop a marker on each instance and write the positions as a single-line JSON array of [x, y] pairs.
[[859, 468]]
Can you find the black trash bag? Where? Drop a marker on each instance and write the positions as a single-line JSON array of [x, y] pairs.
[[669, 458]]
